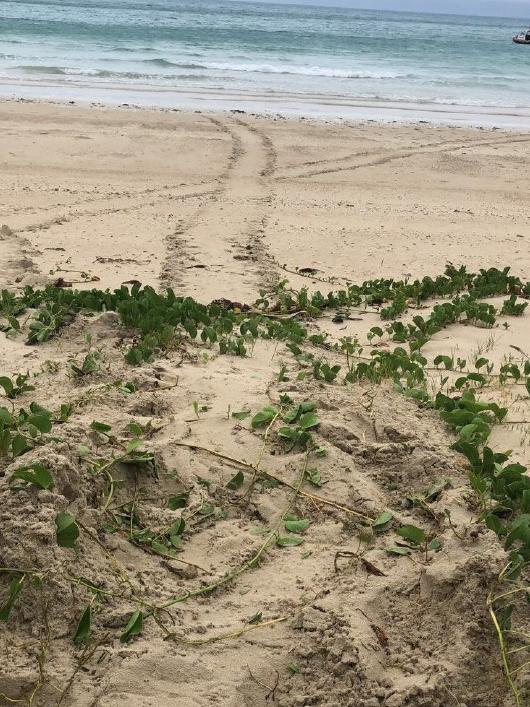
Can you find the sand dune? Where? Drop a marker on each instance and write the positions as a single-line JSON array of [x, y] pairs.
[[220, 206]]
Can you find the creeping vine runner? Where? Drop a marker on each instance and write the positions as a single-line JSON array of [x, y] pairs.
[[157, 323]]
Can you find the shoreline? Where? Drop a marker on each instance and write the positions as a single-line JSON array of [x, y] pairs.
[[310, 107]]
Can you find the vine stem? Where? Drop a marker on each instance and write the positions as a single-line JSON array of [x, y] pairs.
[[120, 572], [520, 667], [270, 475], [86, 655], [518, 650], [507, 594], [254, 560], [502, 647], [224, 636], [23, 571], [257, 466]]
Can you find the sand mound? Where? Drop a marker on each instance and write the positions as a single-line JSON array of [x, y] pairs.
[[361, 630]]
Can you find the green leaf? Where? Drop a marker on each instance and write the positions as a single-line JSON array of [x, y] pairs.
[[35, 474], [494, 523], [447, 361], [525, 501], [290, 433], [292, 414], [435, 545], [5, 441], [176, 541], [236, 481], [7, 385], [84, 626], [101, 427], [33, 431], [14, 323], [67, 530], [65, 412], [178, 527], [478, 483], [135, 429], [14, 590], [161, 549], [179, 501], [134, 627], [42, 422], [19, 445], [519, 530], [504, 616], [435, 490], [241, 415], [289, 541], [297, 526], [309, 420], [126, 387], [6, 417], [383, 522], [412, 534], [37, 409], [256, 619], [517, 564], [264, 417], [133, 445], [313, 476], [399, 550]]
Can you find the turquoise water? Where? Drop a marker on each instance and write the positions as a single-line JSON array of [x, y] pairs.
[[261, 49]]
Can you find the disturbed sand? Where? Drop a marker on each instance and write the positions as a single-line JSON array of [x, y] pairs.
[[219, 206]]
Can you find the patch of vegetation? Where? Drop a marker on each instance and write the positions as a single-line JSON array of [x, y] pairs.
[[159, 323], [16, 386], [23, 430]]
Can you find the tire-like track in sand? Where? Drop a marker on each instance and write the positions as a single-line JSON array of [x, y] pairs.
[[375, 158], [221, 247]]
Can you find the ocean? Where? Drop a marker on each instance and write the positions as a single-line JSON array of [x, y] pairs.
[[290, 58]]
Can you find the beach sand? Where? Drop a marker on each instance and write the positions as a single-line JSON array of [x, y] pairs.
[[219, 206], [165, 191]]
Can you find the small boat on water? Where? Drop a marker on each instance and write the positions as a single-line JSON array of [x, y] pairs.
[[522, 37]]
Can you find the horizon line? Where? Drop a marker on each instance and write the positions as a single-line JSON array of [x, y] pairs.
[[316, 3]]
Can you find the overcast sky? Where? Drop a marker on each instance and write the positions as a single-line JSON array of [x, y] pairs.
[[499, 8]]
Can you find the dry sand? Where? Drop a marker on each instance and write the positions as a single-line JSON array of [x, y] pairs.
[[218, 206]]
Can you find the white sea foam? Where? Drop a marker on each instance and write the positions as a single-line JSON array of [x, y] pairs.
[[317, 71], [295, 70]]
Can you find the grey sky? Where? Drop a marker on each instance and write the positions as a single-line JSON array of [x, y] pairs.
[[498, 8]]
